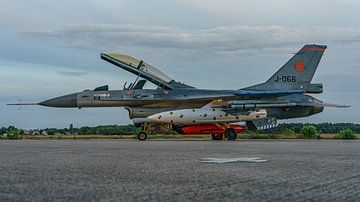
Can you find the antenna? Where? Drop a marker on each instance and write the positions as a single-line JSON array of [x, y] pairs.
[[21, 104]]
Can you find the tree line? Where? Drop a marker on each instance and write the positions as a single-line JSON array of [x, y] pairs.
[[98, 130], [322, 128]]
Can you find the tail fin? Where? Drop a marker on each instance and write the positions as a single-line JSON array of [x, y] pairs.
[[297, 73]]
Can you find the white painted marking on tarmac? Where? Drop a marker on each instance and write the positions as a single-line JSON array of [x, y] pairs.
[[233, 160]]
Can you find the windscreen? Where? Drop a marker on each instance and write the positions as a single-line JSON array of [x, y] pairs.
[[155, 72]]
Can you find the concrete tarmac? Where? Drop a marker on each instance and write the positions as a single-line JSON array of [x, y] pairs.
[[130, 170]]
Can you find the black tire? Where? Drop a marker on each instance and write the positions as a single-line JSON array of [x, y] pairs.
[[142, 136], [230, 134], [217, 136]]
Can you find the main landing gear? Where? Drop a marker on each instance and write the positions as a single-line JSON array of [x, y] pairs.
[[142, 136], [220, 132], [229, 133]]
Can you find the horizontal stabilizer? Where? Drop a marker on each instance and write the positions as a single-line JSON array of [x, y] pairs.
[[262, 124]]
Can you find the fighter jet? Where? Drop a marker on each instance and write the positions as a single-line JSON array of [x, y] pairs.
[[177, 106]]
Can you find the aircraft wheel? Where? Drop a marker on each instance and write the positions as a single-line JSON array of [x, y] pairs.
[[230, 134], [217, 136], [142, 136]]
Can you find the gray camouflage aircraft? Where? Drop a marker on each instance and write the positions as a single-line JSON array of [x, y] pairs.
[[188, 110]]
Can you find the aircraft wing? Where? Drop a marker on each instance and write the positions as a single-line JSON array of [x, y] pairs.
[[237, 107], [243, 94], [267, 92]]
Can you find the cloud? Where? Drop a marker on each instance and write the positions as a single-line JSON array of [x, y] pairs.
[[224, 40], [72, 73], [279, 12]]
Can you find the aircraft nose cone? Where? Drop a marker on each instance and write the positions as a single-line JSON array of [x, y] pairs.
[[62, 101]]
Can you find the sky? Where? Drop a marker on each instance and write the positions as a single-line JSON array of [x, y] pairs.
[[51, 48]]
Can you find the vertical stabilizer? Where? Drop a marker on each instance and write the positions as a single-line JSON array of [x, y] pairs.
[[297, 73]]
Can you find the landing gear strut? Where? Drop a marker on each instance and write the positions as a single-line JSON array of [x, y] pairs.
[[142, 136], [151, 128], [217, 136], [230, 134]]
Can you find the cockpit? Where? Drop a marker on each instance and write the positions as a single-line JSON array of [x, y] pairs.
[[143, 70]]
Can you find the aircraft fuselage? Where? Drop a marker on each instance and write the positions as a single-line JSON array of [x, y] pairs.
[[142, 103]]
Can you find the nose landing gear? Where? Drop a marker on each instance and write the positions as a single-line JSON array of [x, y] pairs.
[[142, 136], [152, 128]]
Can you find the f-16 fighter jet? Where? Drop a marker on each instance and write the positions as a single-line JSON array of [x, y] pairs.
[[177, 106]]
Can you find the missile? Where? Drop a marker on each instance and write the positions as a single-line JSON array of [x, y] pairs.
[[209, 129], [204, 116]]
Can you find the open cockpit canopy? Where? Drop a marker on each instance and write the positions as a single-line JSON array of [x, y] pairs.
[[139, 68]]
